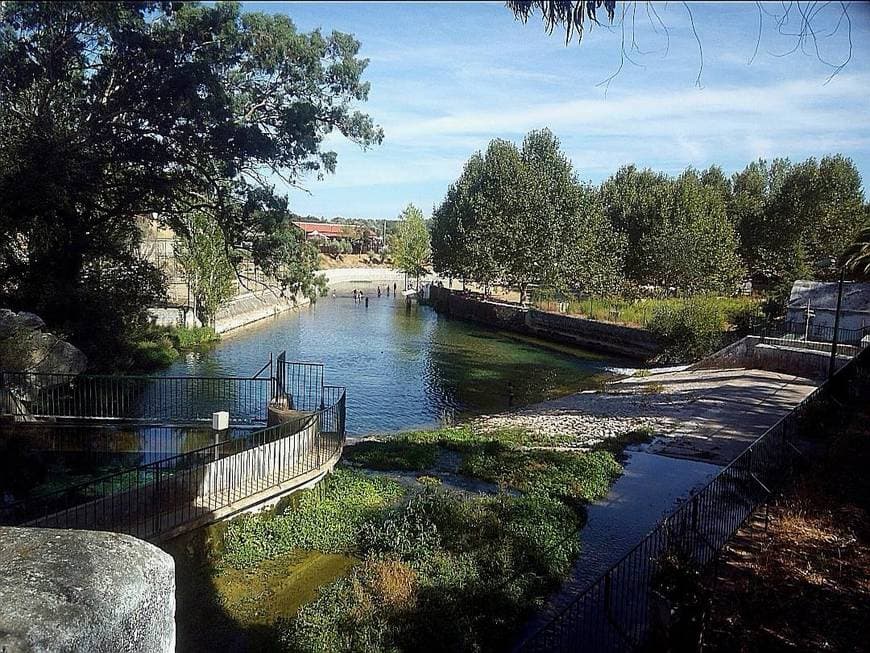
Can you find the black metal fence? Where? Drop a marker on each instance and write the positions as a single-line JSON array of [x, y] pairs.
[[616, 612], [159, 399], [152, 499], [802, 334], [299, 386]]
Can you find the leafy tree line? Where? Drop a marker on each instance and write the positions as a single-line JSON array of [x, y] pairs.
[[109, 111], [520, 216]]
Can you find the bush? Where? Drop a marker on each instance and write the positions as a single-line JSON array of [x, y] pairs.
[[194, 337], [689, 331], [442, 573], [329, 524]]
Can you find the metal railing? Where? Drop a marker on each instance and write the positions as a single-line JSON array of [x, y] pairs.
[[299, 385], [161, 399], [812, 336], [152, 499], [615, 612]]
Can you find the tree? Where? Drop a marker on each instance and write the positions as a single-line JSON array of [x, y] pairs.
[[409, 246], [807, 26], [797, 220], [519, 216], [202, 254], [769, 230], [115, 110], [856, 258], [631, 200], [677, 230], [694, 247]]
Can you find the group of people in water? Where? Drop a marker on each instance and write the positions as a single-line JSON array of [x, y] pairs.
[[360, 297]]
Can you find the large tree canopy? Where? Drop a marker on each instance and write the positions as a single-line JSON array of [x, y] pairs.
[[519, 216], [114, 110]]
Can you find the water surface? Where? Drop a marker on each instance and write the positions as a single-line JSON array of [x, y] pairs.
[[405, 368]]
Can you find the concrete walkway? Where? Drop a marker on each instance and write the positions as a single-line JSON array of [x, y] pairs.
[[704, 415]]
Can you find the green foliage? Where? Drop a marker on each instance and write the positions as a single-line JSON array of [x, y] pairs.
[[396, 453], [409, 245], [856, 258], [796, 220], [677, 230], [329, 523], [518, 216], [118, 110], [439, 570], [202, 254], [185, 338], [576, 477], [443, 573], [690, 330]]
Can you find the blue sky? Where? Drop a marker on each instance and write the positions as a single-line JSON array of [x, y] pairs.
[[446, 78]]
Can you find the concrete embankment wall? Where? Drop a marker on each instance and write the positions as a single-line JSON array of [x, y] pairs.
[[252, 307], [588, 334], [775, 356]]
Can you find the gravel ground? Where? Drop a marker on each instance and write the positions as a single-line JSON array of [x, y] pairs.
[[709, 415]]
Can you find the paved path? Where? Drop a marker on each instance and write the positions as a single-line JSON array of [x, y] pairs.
[[705, 415]]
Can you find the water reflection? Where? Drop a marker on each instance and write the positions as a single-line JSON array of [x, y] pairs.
[[402, 368]]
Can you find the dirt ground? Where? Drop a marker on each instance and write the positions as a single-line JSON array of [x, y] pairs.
[[798, 578]]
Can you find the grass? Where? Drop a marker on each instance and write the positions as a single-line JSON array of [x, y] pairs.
[[641, 311], [329, 524], [574, 477], [438, 569]]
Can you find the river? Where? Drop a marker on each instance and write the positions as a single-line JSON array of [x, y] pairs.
[[404, 368]]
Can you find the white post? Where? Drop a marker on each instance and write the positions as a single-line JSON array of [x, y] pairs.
[[220, 422]]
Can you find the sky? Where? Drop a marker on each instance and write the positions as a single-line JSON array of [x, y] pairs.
[[448, 77]]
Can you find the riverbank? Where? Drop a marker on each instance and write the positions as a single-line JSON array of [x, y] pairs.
[[254, 306], [615, 339], [705, 415]]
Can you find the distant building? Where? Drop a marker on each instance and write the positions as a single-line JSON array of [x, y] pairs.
[[821, 299], [362, 239]]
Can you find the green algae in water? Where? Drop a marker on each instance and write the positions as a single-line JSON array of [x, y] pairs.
[[276, 589]]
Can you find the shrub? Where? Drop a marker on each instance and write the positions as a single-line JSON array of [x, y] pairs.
[[329, 524], [690, 330], [464, 586], [398, 453], [193, 337]]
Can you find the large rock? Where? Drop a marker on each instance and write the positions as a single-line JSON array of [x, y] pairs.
[[66, 590], [24, 346]]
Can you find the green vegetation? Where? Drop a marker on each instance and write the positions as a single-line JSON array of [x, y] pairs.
[[689, 331], [157, 347], [442, 573], [438, 569], [640, 311], [202, 253], [398, 453], [409, 245], [165, 110], [574, 477], [329, 524], [518, 216]]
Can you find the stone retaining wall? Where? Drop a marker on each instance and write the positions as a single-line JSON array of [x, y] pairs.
[[775, 356], [589, 334]]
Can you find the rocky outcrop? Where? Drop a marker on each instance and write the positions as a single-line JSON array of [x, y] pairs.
[[24, 346], [66, 590]]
